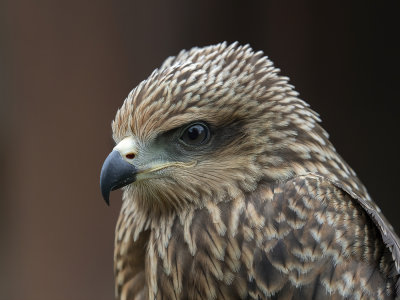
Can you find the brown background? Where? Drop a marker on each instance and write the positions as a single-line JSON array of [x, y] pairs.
[[66, 66]]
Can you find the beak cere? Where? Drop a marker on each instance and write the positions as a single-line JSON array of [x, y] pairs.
[[115, 173]]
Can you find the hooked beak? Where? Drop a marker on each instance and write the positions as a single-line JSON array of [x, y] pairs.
[[121, 167], [115, 173]]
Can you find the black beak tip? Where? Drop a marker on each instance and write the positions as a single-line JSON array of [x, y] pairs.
[[104, 187], [106, 196]]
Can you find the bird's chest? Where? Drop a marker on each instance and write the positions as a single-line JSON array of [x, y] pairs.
[[216, 252], [275, 244], [193, 255]]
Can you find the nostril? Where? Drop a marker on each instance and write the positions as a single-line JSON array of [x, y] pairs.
[[130, 155]]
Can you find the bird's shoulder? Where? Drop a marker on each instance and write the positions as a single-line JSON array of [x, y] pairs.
[[312, 212], [335, 194], [304, 235]]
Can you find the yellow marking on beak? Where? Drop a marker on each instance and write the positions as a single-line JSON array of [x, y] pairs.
[[170, 164]]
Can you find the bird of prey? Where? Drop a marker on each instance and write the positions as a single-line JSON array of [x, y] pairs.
[[232, 190]]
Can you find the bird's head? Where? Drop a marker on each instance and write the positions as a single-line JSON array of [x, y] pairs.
[[208, 125]]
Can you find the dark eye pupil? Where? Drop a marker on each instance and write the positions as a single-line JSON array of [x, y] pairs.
[[195, 134]]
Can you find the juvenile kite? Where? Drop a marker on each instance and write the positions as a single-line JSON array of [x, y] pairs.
[[232, 190]]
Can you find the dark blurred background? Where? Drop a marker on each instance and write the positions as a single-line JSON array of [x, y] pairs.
[[66, 66]]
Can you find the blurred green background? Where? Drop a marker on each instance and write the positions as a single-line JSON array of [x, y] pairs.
[[66, 66]]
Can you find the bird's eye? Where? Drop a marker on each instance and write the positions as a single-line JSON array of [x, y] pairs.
[[195, 134]]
